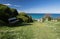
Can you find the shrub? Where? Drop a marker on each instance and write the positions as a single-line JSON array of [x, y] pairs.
[[20, 20], [25, 17], [6, 13], [30, 19], [14, 12], [58, 19], [48, 17], [2, 23]]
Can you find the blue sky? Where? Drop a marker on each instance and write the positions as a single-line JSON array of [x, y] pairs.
[[34, 6]]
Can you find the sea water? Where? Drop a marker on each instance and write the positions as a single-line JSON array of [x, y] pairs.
[[38, 16]]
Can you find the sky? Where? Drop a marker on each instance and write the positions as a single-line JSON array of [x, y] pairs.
[[34, 6]]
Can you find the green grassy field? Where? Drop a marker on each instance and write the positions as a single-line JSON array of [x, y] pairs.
[[36, 30]]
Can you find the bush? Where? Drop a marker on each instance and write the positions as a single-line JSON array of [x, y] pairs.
[[30, 19], [6, 13], [2, 23], [14, 12], [58, 19], [20, 20], [25, 17], [49, 18]]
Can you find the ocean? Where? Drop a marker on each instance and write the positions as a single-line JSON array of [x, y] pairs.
[[38, 16]]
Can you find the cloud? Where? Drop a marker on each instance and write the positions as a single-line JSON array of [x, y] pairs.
[[49, 9], [17, 5], [8, 4]]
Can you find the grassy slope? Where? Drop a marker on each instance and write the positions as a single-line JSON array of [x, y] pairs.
[[47, 30]]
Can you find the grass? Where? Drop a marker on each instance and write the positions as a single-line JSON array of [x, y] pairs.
[[37, 30]]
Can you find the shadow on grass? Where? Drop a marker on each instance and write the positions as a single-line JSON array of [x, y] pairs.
[[15, 25]]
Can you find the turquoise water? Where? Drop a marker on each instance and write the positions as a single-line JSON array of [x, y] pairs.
[[38, 16]]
